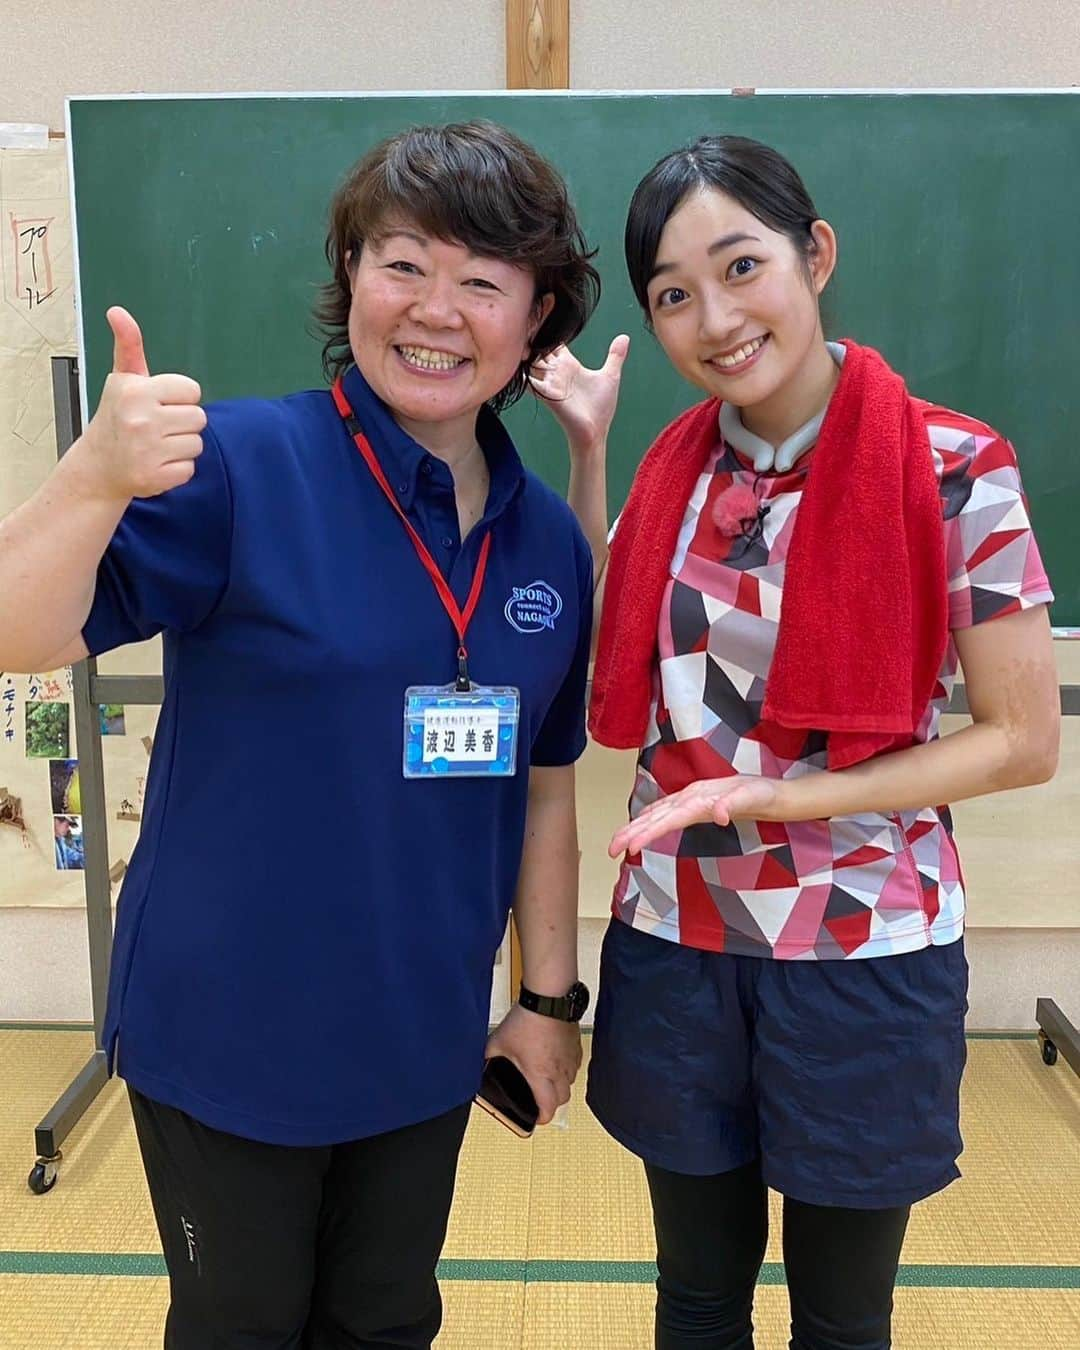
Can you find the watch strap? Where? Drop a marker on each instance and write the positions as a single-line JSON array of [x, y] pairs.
[[567, 1007]]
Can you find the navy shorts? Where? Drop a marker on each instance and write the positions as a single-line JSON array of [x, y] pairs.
[[842, 1076]]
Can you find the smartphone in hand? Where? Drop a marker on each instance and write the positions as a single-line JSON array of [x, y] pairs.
[[506, 1095]]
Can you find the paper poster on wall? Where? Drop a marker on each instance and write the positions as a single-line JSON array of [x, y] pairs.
[[64, 787], [48, 733], [41, 825], [39, 791], [68, 843], [111, 716]]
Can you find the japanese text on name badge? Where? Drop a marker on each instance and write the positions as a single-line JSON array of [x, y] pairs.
[[466, 734]]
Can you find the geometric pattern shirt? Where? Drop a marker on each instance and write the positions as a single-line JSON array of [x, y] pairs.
[[850, 886]]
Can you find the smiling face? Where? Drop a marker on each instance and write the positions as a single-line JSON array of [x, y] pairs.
[[734, 305], [437, 331]]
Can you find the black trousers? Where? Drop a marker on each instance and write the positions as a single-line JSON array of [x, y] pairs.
[[710, 1236], [277, 1248]]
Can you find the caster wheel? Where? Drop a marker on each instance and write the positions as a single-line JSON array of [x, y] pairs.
[[43, 1176], [1049, 1050]]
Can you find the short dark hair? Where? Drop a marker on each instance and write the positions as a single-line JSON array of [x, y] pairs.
[[472, 183], [758, 177]]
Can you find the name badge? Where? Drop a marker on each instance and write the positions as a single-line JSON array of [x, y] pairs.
[[454, 734]]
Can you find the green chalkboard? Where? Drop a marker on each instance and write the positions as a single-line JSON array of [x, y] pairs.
[[957, 217]]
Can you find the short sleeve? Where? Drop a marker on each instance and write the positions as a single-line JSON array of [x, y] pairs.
[[561, 738], [167, 565], [991, 555]]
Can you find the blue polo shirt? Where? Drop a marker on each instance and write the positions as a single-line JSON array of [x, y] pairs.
[[305, 939]]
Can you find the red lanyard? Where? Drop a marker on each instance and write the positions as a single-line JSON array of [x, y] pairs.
[[460, 619]]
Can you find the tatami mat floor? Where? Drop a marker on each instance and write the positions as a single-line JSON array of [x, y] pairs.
[[550, 1243]]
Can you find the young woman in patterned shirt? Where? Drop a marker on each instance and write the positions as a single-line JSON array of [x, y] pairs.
[[783, 983]]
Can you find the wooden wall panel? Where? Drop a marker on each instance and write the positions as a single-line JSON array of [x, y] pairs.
[[537, 44]]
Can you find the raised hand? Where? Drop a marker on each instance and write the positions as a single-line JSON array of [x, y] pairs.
[[581, 400], [145, 436], [715, 800]]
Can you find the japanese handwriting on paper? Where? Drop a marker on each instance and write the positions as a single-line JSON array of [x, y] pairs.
[[132, 810], [33, 266], [45, 687], [7, 707], [461, 734]]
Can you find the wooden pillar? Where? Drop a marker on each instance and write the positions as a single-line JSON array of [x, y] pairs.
[[537, 44], [537, 57], [515, 962]]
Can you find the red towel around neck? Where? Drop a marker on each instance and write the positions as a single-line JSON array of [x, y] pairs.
[[864, 615]]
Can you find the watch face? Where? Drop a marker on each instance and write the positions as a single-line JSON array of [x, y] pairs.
[[578, 996]]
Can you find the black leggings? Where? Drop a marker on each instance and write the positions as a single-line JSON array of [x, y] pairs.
[[710, 1237], [279, 1248]]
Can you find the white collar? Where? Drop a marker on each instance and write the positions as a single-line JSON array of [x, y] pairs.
[[782, 457]]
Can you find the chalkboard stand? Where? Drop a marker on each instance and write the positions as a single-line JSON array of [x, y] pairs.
[[89, 689], [1056, 1033]]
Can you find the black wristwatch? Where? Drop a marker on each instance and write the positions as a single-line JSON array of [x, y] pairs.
[[569, 1008]]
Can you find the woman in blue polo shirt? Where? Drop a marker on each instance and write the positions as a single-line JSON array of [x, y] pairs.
[[302, 1027]]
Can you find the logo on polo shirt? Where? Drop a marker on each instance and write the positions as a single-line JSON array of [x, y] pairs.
[[534, 607]]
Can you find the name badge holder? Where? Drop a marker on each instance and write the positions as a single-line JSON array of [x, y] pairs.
[[455, 734], [458, 730]]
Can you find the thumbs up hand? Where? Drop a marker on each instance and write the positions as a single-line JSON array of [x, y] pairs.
[[145, 436], [128, 355]]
